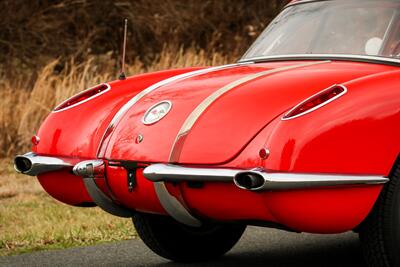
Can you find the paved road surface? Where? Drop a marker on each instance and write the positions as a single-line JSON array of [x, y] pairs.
[[258, 247]]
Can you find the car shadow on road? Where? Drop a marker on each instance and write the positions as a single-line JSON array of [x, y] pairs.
[[258, 247], [335, 252]]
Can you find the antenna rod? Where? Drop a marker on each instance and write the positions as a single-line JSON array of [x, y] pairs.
[[122, 76]]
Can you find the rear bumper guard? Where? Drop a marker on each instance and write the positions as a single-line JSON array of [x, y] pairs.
[[89, 170], [103, 201]]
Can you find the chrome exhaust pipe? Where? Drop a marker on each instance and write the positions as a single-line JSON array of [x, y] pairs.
[[259, 180], [248, 180], [32, 164]]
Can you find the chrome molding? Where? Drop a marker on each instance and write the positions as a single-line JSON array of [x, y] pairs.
[[103, 201], [128, 105], [255, 179], [173, 207], [174, 173], [316, 107], [342, 57], [32, 164], [199, 110], [301, 2]]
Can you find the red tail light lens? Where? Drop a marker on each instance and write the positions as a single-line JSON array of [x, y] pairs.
[[83, 96], [35, 140], [316, 101]]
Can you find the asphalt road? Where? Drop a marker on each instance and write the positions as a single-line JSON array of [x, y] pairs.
[[258, 247]]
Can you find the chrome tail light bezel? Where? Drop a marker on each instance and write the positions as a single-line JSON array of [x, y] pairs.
[[287, 115], [63, 105]]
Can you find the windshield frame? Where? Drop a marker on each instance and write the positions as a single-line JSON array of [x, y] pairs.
[[302, 57]]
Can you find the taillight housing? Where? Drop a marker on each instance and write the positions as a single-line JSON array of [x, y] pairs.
[[316, 101], [83, 97]]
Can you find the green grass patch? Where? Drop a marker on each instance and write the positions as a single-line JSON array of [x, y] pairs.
[[30, 220]]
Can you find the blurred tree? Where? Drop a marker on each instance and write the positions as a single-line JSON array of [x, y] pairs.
[[33, 31]]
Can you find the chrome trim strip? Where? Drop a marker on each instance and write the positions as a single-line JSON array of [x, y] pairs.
[[103, 201], [32, 164], [199, 110], [290, 181], [301, 2], [316, 107], [128, 105], [272, 181], [84, 101], [175, 173], [361, 58], [173, 207]]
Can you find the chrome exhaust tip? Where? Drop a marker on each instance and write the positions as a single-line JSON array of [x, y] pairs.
[[32, 164], [260, 180], [22, 164], [249, 180]]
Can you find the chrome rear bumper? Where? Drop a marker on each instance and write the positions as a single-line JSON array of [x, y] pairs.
[[256, 179], [175, 173]]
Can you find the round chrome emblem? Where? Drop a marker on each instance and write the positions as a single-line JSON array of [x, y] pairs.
[[157, 112], [139, 139]]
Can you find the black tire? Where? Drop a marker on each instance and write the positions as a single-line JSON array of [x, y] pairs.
[[380, 233], [177, 242]]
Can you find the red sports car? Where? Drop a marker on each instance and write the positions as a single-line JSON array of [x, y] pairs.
[[302, 134]]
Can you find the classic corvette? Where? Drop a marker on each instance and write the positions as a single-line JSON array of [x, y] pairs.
[[302, 134]]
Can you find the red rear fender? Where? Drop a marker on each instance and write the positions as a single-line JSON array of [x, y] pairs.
[[77, 131]]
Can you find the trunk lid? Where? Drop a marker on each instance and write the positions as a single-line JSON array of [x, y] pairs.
[[246, 98]]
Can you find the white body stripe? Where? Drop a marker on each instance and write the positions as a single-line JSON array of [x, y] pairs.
[[128, 105], [199, 110]]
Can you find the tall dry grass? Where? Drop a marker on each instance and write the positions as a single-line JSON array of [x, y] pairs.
[[51, 49], [26, 101]]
